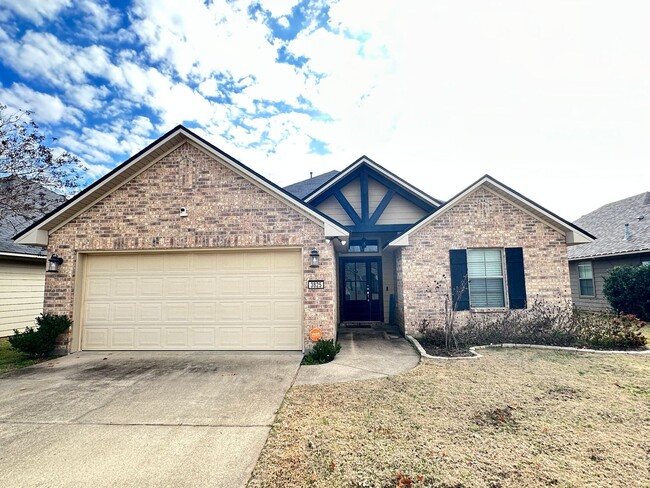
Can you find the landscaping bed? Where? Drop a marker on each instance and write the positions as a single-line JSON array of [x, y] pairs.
[[515, 417], [11, 358]]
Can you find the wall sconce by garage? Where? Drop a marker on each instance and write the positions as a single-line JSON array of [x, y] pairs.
[[53, 264], [314, 258]]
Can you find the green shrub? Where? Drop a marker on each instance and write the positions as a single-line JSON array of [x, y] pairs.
[[40, 341], [628, 290], [323, 352]]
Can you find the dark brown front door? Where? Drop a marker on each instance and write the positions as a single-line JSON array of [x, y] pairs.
[[361, 289]]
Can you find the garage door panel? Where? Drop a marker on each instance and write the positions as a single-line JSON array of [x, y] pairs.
[[150, 263], [150, 312], [175, 312], [148, 337], [259, 286], [126, 264], [228, 312], [259, 337], [258, 311], [125, 287], [176, 337], [286, 337], [204, 337], [96, 338], [203, 312], [177, 287], [177, 262], [231, 337], [194, 300], [124, 312], [289, 311], [122, 338], [98, 288], [287, 285], [230, 262], [150, 287], [204, 286], [230, 285], [98, 313]]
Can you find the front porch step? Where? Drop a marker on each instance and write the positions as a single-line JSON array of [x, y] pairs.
[[378, 326]]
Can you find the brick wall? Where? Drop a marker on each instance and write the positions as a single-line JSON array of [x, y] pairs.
[[225, 211], [481, 219]]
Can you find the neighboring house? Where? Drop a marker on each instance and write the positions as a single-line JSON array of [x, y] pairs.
[[22, 268], [623, 239], [183, 247]]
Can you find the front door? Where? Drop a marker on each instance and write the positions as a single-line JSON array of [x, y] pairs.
[[361, 289]]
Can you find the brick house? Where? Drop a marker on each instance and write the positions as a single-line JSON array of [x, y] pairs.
[[622, 229], [182, 247]]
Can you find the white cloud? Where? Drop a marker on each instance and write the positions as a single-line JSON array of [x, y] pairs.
[[46, 108], [279, 8], [284, 22], [36, 10]]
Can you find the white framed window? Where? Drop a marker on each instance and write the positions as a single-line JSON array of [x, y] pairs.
[[485, 277], [586, 278]]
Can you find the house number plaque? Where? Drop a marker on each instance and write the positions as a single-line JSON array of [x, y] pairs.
[[316, 284]]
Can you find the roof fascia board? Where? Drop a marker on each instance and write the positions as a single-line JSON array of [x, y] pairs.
[[35, 237], [24, 256], [383, 171], [612, 255]]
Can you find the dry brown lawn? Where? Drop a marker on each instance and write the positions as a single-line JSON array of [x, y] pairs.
[[513, 418]]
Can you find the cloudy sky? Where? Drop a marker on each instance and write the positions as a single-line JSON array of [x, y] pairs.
[[551, 97]]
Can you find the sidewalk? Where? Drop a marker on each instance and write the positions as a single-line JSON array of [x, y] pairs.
[[365, 354]]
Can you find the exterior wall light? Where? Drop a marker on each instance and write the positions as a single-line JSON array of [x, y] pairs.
[[314, 258], [53, 264]]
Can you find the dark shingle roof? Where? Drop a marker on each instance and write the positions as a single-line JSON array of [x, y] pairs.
[[608, 225], [305, 187], [37, 199]]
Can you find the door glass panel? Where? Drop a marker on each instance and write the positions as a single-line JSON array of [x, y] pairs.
[[350, 269]]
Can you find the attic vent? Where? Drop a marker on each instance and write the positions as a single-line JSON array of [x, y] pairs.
[[640, 218]]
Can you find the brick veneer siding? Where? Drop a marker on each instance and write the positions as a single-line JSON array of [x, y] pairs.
[[225, 211], [481, 219]]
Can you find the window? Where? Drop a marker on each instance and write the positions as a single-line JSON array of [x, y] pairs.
[[586, 278], [364, 245], [485, 277], [479, 278]]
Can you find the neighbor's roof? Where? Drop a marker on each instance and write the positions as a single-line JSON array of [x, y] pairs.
[[28, 204], [303, 188], [608, 225], [573, 233], [38, 232]]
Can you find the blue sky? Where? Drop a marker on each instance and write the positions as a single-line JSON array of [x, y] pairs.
[[552, 98]]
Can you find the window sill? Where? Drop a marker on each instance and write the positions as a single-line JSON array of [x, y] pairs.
[[587, 296], [488, 310]]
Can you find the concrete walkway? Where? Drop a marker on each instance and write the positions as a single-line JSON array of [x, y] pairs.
[[365, 354]]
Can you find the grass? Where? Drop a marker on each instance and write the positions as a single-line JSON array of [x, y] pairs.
[[513, 418], [646, 332], [12, 359]]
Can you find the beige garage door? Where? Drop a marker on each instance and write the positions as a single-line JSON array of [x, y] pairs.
[[192, 301]]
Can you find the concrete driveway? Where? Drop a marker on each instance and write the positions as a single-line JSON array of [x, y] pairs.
[[140, 418]]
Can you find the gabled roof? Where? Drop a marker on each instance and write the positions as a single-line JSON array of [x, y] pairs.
[[608, 224], [303, 188], [365, 160], [37, 233], [573, 233], [28, 201]]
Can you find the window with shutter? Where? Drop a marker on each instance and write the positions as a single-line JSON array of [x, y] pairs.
[[485, 274]]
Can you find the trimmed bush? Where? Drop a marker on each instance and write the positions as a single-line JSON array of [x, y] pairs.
[[628, 290], [324, 351], [546, 324], [40, 341]]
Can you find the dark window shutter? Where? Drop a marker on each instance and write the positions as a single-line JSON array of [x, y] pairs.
[[516, 277], [459, 284]]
